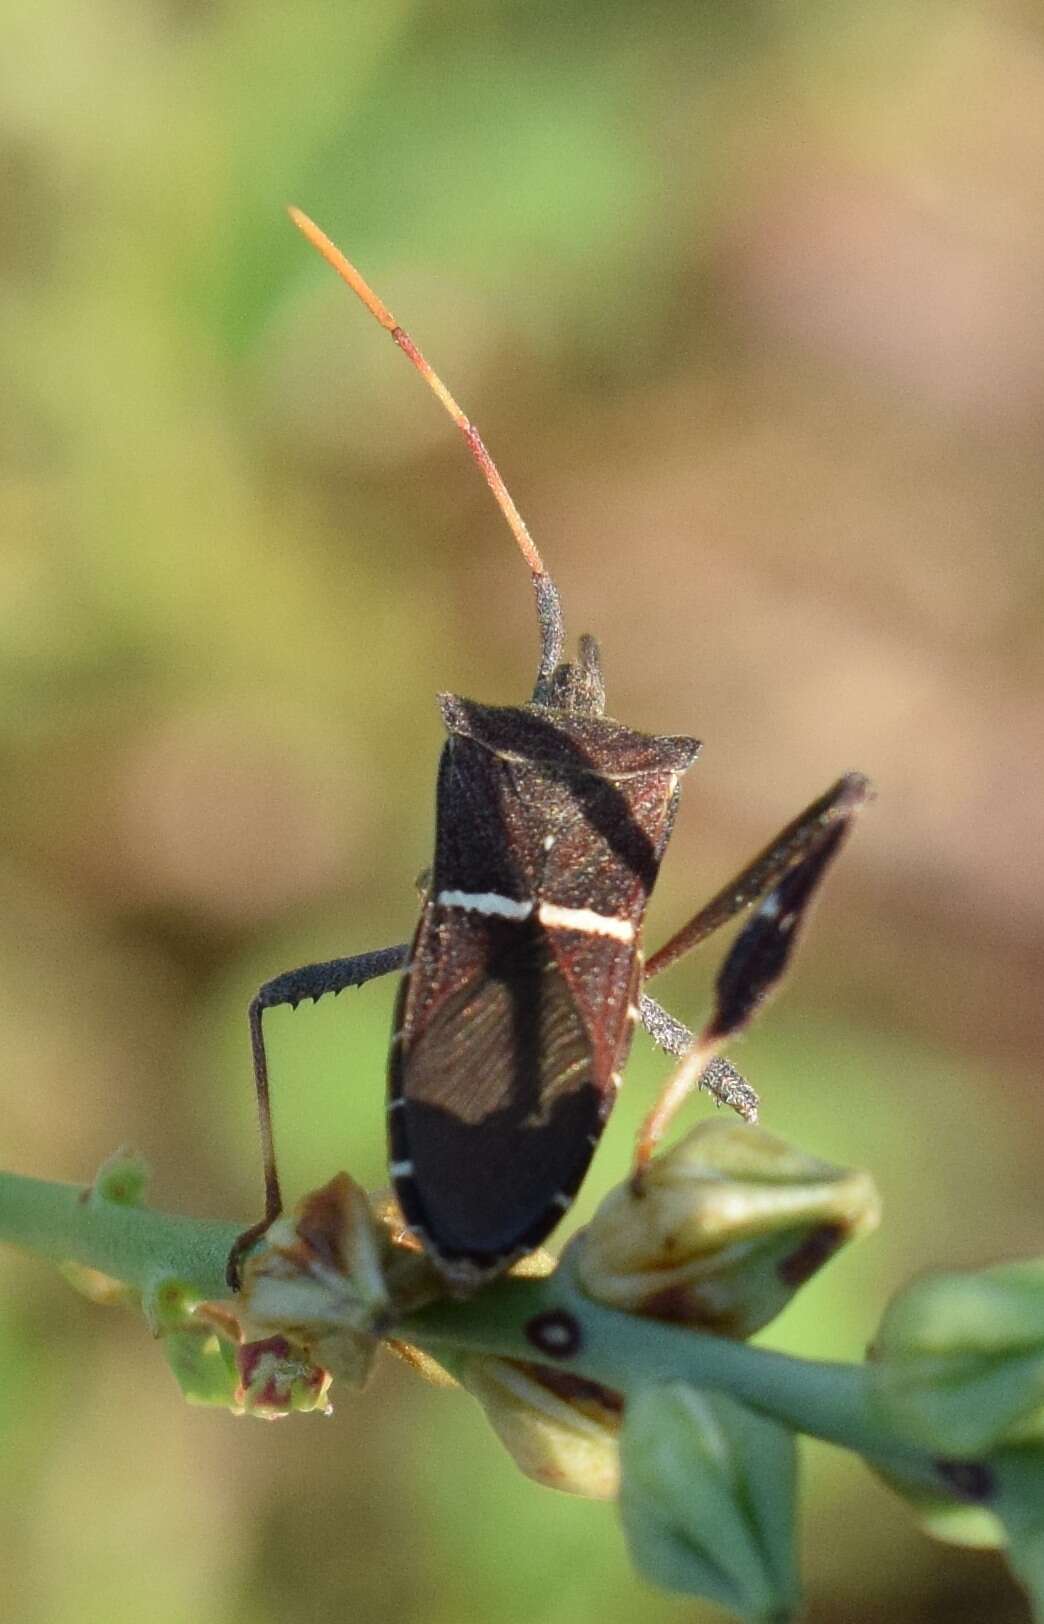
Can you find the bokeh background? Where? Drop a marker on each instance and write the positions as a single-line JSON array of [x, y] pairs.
[[748, 300]]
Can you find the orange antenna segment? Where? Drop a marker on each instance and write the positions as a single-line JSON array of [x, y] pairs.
[[548, 608]]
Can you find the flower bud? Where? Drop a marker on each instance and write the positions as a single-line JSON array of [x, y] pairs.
[[721, 1230], [558, 1428], [997, 1500], [121, 1179], [958, 1363], [276, 1379], [212, 1365], [318, 1278], [707, 1500], [199, 1341]]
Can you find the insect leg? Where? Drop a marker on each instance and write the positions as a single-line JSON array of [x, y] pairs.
[[310, 981], [787, 875], [721, 1080], [803, 835]]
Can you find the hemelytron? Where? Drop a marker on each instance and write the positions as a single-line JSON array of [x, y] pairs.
[[526, 977]]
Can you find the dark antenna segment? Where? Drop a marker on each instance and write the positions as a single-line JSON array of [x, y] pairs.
[[549, 607]]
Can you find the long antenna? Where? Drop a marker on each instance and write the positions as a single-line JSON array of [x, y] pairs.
[[549, 607]]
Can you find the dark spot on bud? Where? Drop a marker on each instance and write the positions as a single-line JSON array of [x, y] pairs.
[[683, 1305], [969, 1479], [555, 1333], [576, 1389], [801, 1264]]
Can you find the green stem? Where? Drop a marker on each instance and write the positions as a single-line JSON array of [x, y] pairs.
[[625, 1352], [71, 1222], [139, 1246]]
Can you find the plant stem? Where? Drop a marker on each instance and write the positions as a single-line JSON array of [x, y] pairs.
[[624, 1352], [131, 1243], [139, 1246]]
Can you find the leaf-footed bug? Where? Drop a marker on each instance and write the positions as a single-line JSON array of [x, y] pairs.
[[525, 978]]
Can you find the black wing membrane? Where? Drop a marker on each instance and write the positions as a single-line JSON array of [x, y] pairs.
[[501, 1098]]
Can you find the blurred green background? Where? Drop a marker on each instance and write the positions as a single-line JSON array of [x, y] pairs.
[[748, 300]]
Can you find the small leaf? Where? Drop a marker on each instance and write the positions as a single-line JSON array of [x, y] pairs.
[[707, 1500], [203, 1360]]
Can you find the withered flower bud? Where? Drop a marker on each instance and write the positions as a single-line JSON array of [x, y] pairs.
[[318, 1279], [277, 1379], [559, 1429]]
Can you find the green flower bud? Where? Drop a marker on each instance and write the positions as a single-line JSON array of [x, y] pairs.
[[958, 1363], [200, 1344], [997, 1500], [121, 1179], [559, 1429], [953, 1510], [722, 1230], [707, 1500], [168, 1304]]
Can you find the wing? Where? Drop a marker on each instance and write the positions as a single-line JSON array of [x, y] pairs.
[[498, 1090]]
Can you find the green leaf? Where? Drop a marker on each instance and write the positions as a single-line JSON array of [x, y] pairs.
[[707, 1500]]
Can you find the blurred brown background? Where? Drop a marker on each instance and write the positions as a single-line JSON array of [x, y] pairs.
[[748, 301]]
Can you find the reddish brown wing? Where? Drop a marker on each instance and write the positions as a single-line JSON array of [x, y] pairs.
[[511, 1027]]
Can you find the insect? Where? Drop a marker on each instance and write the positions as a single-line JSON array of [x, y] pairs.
[[525, 979]]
